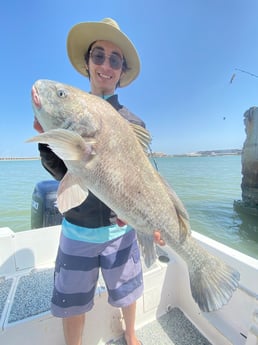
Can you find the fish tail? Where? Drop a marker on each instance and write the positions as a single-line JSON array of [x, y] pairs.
[[212, 282]]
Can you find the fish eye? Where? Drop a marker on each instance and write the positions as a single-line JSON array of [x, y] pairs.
[[62, 93]]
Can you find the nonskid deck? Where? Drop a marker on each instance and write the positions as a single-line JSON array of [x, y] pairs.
[[26, 297], [166, 313]]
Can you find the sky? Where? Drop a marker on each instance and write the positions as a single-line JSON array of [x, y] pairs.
[[189, 50]]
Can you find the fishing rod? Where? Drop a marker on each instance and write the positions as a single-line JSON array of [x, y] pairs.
[[243, 71]]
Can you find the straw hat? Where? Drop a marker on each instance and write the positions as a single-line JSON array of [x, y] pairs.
[[82, 35]]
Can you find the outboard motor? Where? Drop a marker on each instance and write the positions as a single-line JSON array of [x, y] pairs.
[[44, 211]]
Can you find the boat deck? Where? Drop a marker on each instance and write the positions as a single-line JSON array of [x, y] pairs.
[[166, 313], [172, 328], [26, 297]]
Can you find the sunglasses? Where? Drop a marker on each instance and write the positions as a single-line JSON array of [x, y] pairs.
[[98, 57]]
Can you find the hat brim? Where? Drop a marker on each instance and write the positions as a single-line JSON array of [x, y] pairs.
[[83, 34]]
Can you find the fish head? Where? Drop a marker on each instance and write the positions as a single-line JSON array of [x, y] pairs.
[[57, 105]]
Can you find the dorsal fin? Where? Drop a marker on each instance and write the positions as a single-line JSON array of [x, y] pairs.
[[143, 135]]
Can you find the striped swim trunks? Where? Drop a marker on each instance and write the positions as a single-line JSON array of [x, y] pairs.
[[77, 271]]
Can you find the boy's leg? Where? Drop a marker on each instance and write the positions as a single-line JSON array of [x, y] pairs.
[[73, 329], [129, 319]]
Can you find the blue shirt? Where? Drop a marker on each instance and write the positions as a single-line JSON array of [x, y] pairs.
[[93, 235]]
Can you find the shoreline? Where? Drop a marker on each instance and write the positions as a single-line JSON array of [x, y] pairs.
[[212, 153], [153, 154], [19, 158]]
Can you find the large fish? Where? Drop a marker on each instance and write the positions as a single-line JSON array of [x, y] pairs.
[[105, 154]]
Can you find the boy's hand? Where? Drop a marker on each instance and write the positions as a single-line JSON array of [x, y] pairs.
[[157, 238]]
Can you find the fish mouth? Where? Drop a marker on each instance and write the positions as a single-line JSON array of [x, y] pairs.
[[35, 97], [36, 102], [37, 126]]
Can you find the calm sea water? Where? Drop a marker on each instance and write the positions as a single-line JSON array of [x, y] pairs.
[[207, 186]]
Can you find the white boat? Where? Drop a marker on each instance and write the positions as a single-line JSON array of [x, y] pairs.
[[166, 313]]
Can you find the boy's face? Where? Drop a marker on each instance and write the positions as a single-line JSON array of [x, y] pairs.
[[105, 67]]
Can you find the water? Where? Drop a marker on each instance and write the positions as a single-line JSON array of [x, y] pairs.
[[17, 182], [207, 186]]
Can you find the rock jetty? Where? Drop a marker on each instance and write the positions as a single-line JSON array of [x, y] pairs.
[[249, 185]]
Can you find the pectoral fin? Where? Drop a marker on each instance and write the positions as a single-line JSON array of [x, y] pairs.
[[66, 144]]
